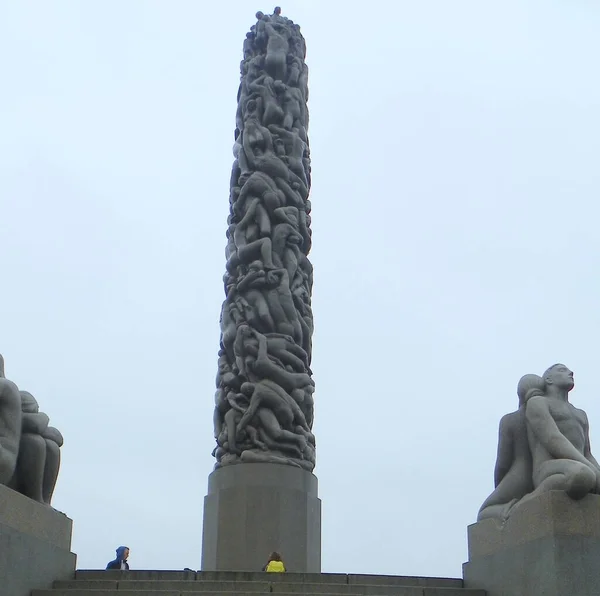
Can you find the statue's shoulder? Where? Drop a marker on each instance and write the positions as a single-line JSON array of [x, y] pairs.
[[511, 417], [512, 422], [581, 413]]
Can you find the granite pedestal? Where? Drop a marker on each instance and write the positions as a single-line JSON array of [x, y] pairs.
[[253, 509], [35, 545], [549, 546]]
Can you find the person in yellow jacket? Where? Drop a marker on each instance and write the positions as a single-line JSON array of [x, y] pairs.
[[275, 564]]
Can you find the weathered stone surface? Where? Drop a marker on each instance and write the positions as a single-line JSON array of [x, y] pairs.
[[38, 463], [10, 426], [29, 447], [241, 583], [35, 543], [549, 546], [264, 399], [336, 581], [400, 591], [106, 593], [254, 509], [400, 588], [543, 446], [403, 580]]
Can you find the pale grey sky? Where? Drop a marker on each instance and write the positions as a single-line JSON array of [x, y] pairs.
[[455, 203]]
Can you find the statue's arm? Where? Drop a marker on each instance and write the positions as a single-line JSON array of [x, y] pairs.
[[10, 422], [505, 454], [540, 421], [53, 434], [35, 423], [587, 450]]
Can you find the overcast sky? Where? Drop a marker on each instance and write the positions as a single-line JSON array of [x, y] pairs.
[[455, 215]]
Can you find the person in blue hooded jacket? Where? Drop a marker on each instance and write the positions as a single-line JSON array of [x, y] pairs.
[[121, 561]]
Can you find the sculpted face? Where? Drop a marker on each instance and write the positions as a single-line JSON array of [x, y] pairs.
[[560, 376]]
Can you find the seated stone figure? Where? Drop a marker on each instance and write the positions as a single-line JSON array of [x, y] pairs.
[[513, 471], [559, 439], [543, 446], [10, 426], [39, 453]]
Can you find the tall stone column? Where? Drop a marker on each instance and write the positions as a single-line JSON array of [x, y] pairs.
[[262, 496]]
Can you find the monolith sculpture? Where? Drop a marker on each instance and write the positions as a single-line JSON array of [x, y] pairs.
[[538, 533], [262, 496]]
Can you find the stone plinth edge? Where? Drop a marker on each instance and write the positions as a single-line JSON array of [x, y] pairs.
[[549, 546], [35, 543]]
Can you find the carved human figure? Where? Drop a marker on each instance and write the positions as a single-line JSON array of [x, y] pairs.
[[280, 420], [301, 298], [294, 107], [286, 243], [10, 426], [251, 287], [274, 346], [281, 304], [38, 463], [258, 152], [248, 46], [238, 404], [270, 396], [292, 192], [559, 440], [513, 471], [260, 185], [277, 48], [264, 87], [249, 248], [264, 368], [295, 149]]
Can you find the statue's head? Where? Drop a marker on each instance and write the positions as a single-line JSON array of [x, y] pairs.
[[247, 389], [251, 107], [29, 404], [1, 366], [528, 387], [559, 376]]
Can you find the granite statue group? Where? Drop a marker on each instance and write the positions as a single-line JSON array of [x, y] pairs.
[[29, 447], [544, 445], [264, 399]]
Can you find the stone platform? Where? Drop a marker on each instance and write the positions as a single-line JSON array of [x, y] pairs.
[[35, 545], [253, 509], [549, 546], [182, 583]]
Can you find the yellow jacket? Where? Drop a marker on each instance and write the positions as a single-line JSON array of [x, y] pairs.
[[275, 567]]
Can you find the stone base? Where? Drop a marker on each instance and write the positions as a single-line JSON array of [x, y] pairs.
[[254, 509], [35, 543], [549, 546]]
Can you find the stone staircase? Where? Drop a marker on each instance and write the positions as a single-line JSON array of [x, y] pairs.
[[222, 583]]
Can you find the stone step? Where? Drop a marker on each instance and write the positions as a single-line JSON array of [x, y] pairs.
[[223, 587], [338, 579], [399, 591], [241, 586]]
